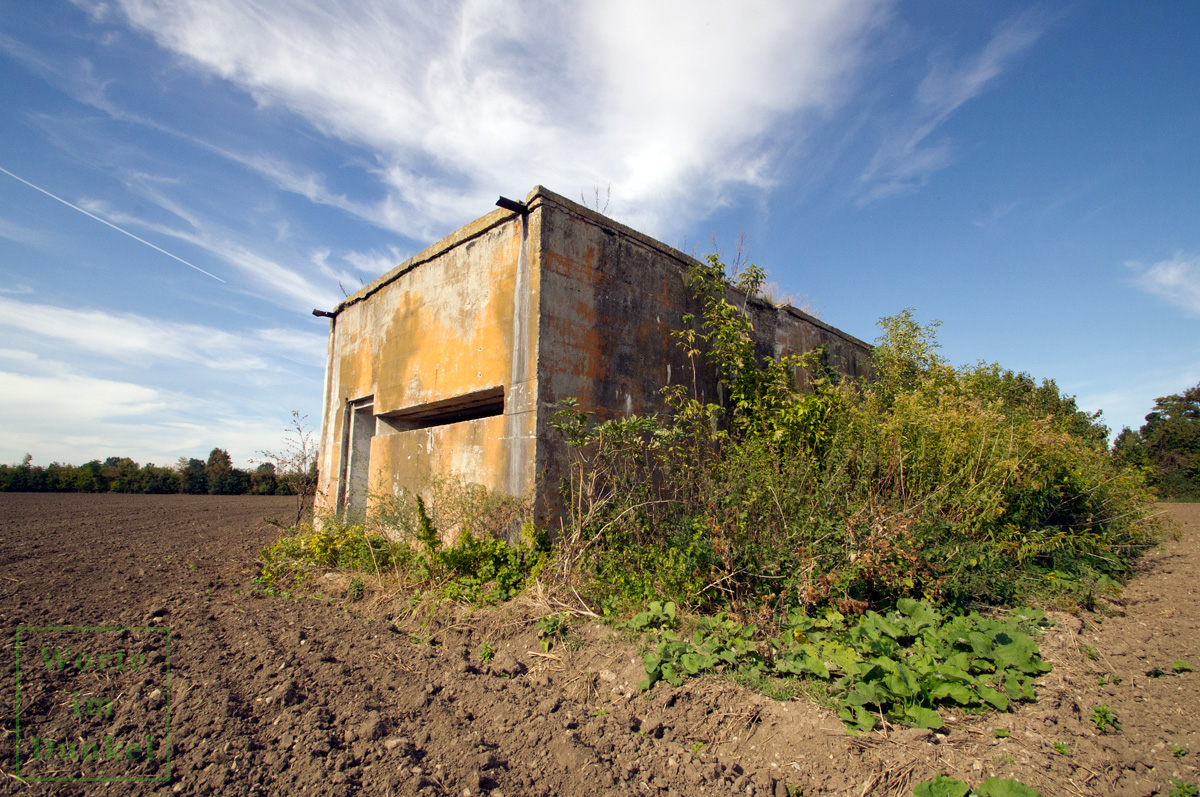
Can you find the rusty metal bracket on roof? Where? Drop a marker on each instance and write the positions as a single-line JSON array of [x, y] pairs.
[[513, 205]]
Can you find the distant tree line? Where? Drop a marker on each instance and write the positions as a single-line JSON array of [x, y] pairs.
[[193, 476], [1167, 447]]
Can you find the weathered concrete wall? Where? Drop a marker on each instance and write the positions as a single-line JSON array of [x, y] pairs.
[[610, 299], [782, 331], [455, 361], [440, 336]]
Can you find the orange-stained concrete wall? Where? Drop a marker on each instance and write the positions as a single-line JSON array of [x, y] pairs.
[[558, 302], [456, 319]]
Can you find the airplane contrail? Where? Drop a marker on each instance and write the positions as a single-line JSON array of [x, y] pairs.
[[110, 224]]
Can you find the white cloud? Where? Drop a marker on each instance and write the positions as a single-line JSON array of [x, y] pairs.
[[375, 263], [282, 285], [908, 157], [673, 103], [1176, 280], [61, 415], [140, 340], [22, 235], [83, 399]]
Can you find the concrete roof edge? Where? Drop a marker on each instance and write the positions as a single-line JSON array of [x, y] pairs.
[[460, 236], [539, 195], [544, 194], [816, 322]]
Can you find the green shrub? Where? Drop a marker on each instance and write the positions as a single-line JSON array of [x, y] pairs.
[[403, 539], [954, 485], [326, 545]]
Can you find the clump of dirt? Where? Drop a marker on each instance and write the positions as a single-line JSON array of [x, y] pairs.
[[252, 695]]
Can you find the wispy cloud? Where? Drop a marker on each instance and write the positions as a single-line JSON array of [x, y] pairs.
[[996, 212], [137, 339], [285, 286], [375, 262], [59, 414], [672, 103], [70, 395], [1176, 280], [910, 154], [20, 234]]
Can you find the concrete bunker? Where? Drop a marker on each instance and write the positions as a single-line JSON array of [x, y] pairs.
[[452, 363]]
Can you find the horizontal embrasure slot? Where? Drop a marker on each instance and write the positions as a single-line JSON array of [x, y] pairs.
[[481, 404]]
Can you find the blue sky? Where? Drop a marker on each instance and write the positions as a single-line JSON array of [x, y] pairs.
[[184, 181]]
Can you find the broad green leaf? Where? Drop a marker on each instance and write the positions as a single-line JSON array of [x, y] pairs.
[[981, 644], [924, 717], [941, 786], [989, 695], [995, 787], [909, 678], [953, 673], [815, 666], [789, 665], [864, 719], [897, 686], [919, 611], [845, 657], [959, 661], [1020, 654], [955, 691], [982, 665]]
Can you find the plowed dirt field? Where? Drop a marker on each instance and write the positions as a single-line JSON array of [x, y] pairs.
[[138, 655]]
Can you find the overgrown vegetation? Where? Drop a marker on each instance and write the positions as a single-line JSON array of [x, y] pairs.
[[957, 486], [837, 539], [904, 667], [402, 543]]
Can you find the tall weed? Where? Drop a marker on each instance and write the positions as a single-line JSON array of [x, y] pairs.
[[958, 485], [453, 539]]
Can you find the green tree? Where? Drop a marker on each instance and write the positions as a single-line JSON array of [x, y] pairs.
[[1171, 437], [263, 480], [219, 472], [192, 479], [1128, 449], [90, 478], [158, 480], [60, 478], [24, 477], [122, 475]]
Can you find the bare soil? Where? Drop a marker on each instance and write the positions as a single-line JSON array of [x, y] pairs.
[[264, 695]]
